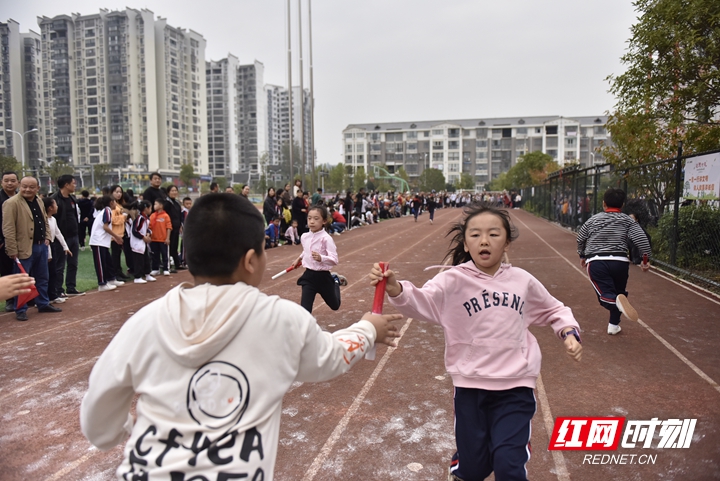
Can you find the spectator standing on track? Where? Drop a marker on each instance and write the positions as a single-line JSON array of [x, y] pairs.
[[174, 210], [431, 206], [319, 256], [485, 308], [300, 212], [7, 265], [223, 342], [27, 237], [101, 236], [316, 197], [154, 192], [68, 223], [603, 244], [140, 244], [120, 217], [85, 204], [57, 245], [160, 232], [269, 206]]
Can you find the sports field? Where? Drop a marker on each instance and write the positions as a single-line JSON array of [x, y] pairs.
[[392, 418]]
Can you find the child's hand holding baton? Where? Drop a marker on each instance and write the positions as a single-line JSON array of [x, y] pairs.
[[295, 265]]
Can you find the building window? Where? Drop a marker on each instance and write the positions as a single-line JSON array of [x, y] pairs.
[[438, 132], [453, 156], [438, 157], [438, 145], [551, 130], [453, 145]]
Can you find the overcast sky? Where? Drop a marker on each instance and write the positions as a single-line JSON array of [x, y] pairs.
[[408, 60]]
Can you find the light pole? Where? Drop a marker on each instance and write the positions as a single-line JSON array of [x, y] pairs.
[[22, 144]]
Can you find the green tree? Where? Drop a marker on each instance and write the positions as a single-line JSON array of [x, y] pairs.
[[431, 179], [359, 179], [402, 173], [187, 174], [669, 92], [337, 179], [103, 174], [10, 164], [498, 183], [58, 167], [222, 182], [466, 181], [530, 169]]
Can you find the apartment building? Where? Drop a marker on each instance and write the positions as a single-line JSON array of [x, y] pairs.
[[20, 94], [125, 89], [278, 131], [482, 148], [222, 116]]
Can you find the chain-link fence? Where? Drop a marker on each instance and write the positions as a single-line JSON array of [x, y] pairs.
[[685, 230]]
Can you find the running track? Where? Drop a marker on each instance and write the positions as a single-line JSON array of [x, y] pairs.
[[392, 418]]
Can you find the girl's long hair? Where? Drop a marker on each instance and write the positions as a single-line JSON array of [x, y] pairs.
[[457, 252]]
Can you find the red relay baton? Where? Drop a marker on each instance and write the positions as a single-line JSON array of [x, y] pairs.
[[377, 307], [282, 273]]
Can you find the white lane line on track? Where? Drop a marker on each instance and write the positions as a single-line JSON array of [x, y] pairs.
[[665, 343], [73, 465], [63, 326], [340, 428], [558, 458], [48, 378]]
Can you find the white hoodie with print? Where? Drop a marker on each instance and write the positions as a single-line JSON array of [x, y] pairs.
[[211, 365]]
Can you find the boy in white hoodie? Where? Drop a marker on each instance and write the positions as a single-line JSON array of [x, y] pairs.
[[485, 308], [212, 361]]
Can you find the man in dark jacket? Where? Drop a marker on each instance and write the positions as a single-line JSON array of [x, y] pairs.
[[86, 216], [154, 192], [67, 222]]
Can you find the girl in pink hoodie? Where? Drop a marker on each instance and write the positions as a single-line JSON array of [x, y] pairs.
[[485, 307]]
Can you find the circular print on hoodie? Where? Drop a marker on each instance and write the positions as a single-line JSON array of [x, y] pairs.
[[218, 395]]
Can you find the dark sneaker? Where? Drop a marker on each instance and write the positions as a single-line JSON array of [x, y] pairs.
[[49, 308], [74, 292], [9, 307], [21, 316]]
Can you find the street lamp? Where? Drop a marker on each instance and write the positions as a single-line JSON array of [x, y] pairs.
[[22, 144]]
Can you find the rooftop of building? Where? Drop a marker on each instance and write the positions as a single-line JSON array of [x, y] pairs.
[[479, 122]]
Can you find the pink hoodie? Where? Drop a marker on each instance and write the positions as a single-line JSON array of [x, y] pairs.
[[486, 319]]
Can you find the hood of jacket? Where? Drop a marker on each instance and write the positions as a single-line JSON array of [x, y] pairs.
[[198, 322]]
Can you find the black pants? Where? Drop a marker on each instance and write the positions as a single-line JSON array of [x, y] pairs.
[[54, 281], [609, 278], [319, 282], [128, 253], [174, 244], [69, 274], [116, 254], [492, 432], [84, 229], [103, 264], [158, 250], [141, 264]]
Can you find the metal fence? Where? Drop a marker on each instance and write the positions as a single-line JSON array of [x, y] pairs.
[[685, 233]]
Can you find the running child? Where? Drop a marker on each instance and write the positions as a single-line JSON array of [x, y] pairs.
[[139, 243], [319, 256], [485, 308], [211, 360], [160, 232], [603, 244], [101, 237]]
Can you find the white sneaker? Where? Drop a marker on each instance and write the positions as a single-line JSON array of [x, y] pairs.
[[150, 278], [116, 283], [140, 280], [59, 300], [166, 273], [613, 329], [106, 287], [626, 308], [154, 273]]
